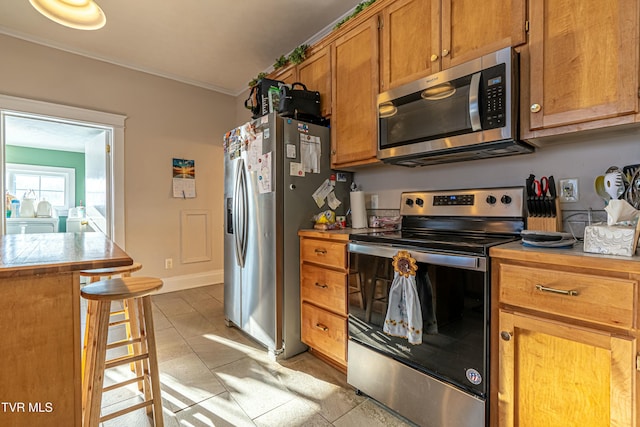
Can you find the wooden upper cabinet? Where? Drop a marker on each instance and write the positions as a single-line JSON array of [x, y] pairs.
[[286, 74], [412, 31], [410, 39], [354, 74], [471, 29], [583, 59], [315, 73]]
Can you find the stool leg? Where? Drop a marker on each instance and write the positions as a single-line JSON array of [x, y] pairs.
[[149, 341], [133, 331], [92, 388], [88, 352]]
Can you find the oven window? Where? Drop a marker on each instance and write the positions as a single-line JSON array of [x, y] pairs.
[[454, 308]]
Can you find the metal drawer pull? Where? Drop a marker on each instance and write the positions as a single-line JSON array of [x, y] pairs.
[[321, 251], [571, 293], [322, 327], [321, 285]]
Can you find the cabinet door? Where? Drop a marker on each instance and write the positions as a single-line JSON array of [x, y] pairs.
[[354, 90], [553, 374], [315, 73], [471, 29], [286, 74], [583, 61], [410, 41]]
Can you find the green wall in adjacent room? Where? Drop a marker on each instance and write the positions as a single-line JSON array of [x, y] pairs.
[[39, 157]]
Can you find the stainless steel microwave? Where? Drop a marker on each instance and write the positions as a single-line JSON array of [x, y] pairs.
[[466, 112]]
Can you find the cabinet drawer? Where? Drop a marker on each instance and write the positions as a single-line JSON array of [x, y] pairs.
[[325, 332], [597, 299], [325, 252], [324, 287]]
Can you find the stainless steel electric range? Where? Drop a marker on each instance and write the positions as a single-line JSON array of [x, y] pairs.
[[444, 379]]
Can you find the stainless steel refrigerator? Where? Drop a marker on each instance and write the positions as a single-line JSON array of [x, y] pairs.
[[273, 166]]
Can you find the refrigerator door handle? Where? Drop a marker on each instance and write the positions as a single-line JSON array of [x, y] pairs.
[[236, 200], [245, 214]]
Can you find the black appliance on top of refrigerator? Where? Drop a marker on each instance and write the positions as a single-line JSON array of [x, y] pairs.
[[274, 170]]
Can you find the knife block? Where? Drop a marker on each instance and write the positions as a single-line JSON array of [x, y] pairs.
[[548, 223]]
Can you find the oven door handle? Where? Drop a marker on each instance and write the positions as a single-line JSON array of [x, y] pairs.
[[448, 260]]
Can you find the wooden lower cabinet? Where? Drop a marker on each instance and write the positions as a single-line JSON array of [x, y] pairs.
[[554, 374], [323, 295], [324, 331], [564, 338]]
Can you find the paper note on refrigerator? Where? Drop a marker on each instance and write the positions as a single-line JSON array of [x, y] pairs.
[[333, 201], [264, 173], [322, 192], [310, 153], [254, 151]]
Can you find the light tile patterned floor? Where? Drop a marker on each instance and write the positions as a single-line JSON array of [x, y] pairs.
[[213, 375]]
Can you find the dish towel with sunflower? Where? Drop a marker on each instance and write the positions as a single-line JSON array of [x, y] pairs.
[[404, 315]]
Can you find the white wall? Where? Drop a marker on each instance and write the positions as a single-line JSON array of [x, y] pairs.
[[165, 119], [585, 158]]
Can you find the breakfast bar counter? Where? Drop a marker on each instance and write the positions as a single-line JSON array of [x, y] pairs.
[[40, 366]]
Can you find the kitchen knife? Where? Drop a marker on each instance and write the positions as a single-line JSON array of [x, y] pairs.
[[530, 195], [552, 193]]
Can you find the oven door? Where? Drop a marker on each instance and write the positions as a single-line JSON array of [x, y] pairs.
[[453, 293]]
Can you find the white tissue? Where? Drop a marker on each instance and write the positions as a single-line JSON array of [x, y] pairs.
[[620, 211]]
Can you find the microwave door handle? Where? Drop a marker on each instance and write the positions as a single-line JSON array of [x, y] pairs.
[[474, 102]]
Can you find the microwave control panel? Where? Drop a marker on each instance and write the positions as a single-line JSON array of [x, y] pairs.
[[494, 90]]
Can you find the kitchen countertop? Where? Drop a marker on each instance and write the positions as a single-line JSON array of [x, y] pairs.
[[338, 234], [574, 257], [27, 254]]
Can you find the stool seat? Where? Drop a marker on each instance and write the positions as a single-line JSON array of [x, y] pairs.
[[121, 288], [112, 271]]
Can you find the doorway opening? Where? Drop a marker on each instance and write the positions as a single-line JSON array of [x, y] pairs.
[[70, 159]]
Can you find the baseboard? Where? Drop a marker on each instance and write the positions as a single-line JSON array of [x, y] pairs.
[[179, 283]]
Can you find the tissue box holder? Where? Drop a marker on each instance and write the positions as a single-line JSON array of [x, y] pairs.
[[611, 239]]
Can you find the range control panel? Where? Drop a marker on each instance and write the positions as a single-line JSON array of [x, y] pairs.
[[479, 202]]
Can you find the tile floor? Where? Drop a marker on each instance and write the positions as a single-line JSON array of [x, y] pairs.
[[213, 375]]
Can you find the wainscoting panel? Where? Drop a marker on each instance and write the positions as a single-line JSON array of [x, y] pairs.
[[195, 236]]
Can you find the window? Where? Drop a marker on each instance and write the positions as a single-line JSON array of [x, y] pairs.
[[54, 184]]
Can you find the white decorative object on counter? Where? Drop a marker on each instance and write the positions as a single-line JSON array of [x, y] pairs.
[[611, 239]]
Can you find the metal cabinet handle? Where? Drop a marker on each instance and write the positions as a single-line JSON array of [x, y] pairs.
[[505, 335], [570, 293], [84, 222], [434, 57], [535, 108], [322, 327], [321, 251], [323, 286], [445, 52]]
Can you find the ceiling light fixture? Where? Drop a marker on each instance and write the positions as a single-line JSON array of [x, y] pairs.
[[78, 14]]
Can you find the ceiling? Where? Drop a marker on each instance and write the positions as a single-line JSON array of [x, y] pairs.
[[215, 44], [35, 132]]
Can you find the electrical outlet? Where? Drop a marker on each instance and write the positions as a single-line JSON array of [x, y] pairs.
[[569, 190], [168, 263]]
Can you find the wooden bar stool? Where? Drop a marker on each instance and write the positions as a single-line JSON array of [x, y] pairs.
[[100, 295], [129, 321]]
